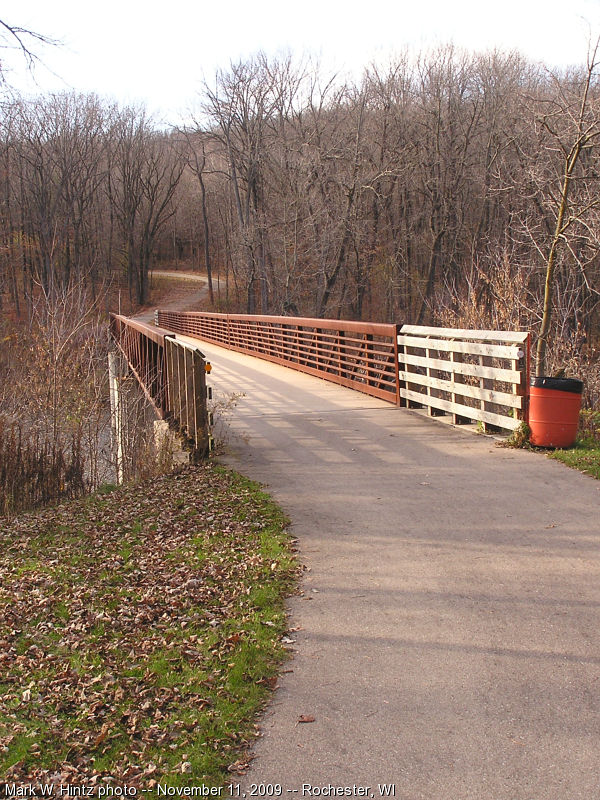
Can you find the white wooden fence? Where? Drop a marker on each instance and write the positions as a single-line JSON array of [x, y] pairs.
[[472, 375]]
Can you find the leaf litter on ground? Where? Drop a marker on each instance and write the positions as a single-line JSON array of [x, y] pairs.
[[140, 631]]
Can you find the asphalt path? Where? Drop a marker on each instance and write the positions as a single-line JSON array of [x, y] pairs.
[[447, 637]]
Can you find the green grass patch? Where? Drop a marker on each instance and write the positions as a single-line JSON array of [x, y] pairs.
[[584, 456], [585, 453], [141, 631]]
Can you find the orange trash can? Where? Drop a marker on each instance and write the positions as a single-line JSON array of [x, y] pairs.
[[554, 405]]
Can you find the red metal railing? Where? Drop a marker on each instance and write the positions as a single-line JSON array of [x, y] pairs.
[[144, 348], [171, 374], [359, 355]]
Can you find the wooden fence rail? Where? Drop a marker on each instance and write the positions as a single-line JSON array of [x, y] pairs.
[[470, 374], [359, 355]]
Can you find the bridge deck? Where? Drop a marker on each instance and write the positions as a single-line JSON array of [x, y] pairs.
[[448, 634]]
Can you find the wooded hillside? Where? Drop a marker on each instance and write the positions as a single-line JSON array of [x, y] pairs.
[[435, 189], [431, 183]]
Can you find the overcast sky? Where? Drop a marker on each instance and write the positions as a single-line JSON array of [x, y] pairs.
[[158, 52]]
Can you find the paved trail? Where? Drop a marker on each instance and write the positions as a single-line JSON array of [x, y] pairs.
[[448, 634]]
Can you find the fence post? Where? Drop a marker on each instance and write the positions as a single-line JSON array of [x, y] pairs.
[[484, 385], [456, 378], [202, 437], [522, 389], [369, 358]]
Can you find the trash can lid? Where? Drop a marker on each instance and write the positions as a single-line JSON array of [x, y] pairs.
[[573, 385]]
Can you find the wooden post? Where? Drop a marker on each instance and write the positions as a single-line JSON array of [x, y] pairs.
[[202, 436], [457, 419], [180, 358], [188, 356], [428, 388], [396, 358], [170, 376], [485, 383], [522, 389], [431, 410]]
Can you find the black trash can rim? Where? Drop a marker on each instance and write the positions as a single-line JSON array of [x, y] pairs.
[[573, 385]]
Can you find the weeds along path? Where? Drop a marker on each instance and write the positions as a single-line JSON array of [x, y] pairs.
[[446, 640]]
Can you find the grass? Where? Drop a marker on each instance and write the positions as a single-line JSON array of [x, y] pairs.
[[584, 456], [585, 453], [141, 632]]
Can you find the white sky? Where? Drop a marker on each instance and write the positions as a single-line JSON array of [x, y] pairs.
[[158, 52]]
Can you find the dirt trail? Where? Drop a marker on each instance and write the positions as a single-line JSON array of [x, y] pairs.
[[185, 295]]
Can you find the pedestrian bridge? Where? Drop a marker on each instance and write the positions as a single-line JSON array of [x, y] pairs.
[[446, 636], [469, 375]]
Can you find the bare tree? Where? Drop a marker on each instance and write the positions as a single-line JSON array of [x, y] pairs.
[[59, 166], [195, 158], [144, 172], [427, 187], [239, 109], [572, 122], [25, 41]]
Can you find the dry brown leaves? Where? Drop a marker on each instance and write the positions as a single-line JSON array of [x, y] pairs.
[[115, 627]]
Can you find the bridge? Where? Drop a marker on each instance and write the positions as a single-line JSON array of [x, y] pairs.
[[446, 638]]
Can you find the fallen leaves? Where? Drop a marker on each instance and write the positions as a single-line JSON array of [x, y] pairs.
[[122, 616]]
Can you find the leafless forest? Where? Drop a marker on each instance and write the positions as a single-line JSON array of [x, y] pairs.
[[436, 189]]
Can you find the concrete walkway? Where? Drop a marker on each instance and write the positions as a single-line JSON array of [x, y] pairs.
[[448, 635]]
